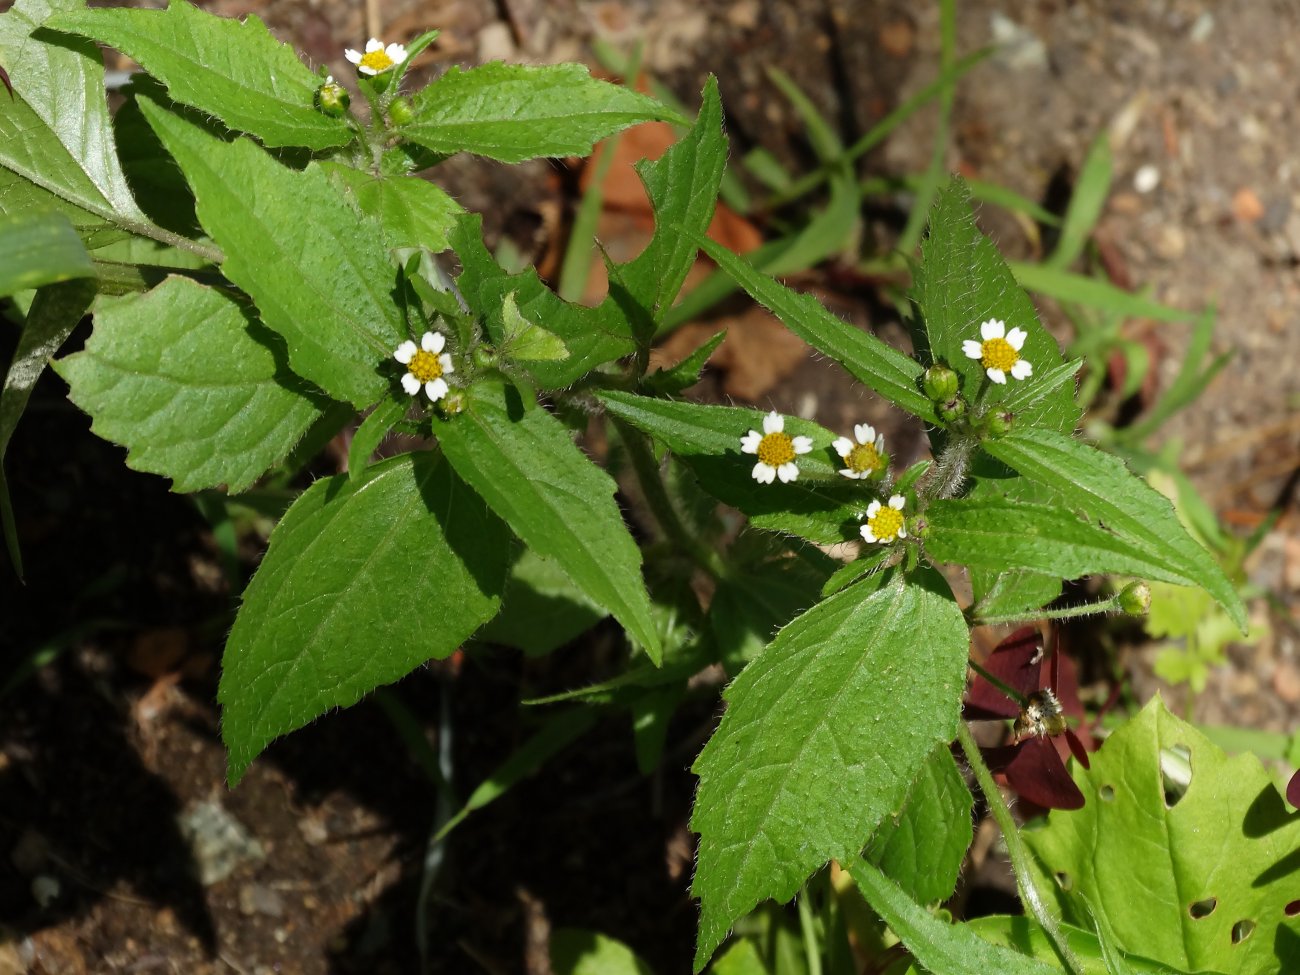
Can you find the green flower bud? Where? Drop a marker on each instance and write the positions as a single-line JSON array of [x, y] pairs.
[[1135, 599], [485, 357], [998, 423], [332, 99], [940, 383], [454, 402], [400, 111], [953, 410]]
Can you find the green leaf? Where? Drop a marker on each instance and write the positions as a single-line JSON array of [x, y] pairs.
[[183, 379], [1009, 593], [740, 958], [39, 249], [921, 848], [1090, 191], [962, 282], [372, 432], [555, 734], [1001, 534], [22, 198], [1178, 882], [232, 69], [751, 603], [593, 336], [55, 312], [847, 575], [1023, 935], [318, 270], [1093, 292], [575, 952], [821, 740], [683, 189], [686, 373], [821, 506], [893, 375], [362, 583], [947, 949], [514, 112], [542, 609], [56, 131], [522, 339], [526, 465], [413, 212], [1100, 487]]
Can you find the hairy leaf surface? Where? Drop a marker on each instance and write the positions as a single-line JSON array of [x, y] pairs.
[[822, 737], [525, 463], [514, 112], [363, 582], [232, 69], [318, 270], [189, 384]]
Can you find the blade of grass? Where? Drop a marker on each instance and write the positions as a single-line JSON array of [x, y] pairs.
[[1066, 286], [1090, 192], [936, 173], [881, 130], [576, 266]]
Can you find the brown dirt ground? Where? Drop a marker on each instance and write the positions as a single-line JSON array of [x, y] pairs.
[[106, 747]]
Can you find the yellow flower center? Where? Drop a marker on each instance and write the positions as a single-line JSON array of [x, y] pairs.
[[863, 458], [424, 366], [776, 449], [885, 523], [999, 354], [377, 61]]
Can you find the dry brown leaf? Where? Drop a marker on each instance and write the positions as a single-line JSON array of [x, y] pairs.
[[758, 353]]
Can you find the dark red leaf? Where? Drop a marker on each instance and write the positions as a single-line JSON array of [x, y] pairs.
[[1076, 748], [1293, 790], [1017, 662], [1038, 775]]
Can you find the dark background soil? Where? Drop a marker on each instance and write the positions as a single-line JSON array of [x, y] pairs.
[[109, 747]]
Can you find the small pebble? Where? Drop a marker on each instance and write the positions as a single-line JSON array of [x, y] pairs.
[[1146, 179]]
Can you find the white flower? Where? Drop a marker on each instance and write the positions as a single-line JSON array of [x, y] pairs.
[[425, 365], [884, 524], [776, 450], [999, 353], [377, 58], [864, 458]]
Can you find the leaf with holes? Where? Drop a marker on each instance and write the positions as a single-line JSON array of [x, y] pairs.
[[363, 581], [1197, 881], [823, 735]]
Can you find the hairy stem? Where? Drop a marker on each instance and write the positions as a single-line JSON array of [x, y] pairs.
[[1111, 605], [1020, 856]]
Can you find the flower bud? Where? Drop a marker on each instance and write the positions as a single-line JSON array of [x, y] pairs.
[[953, 410], [998, 423], [1135, 599], [454, 402], [940, 383], [484, 356], [332, 99], [400, 111]]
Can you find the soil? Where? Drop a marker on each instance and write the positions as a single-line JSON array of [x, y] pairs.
[[123, 850]]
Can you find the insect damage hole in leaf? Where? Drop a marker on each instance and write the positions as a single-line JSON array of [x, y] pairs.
[[1202, 908], [1175, 773]]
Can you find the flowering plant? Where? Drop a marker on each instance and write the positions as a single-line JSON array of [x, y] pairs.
[[296, 284]]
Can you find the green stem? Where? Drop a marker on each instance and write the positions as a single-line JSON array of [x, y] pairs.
[[208, 252], [661, 506], [1020, 855], [997, 682], [946, 477], [1110, 605]]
